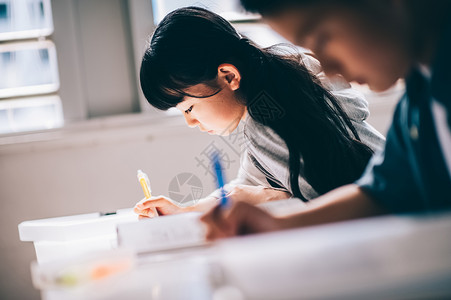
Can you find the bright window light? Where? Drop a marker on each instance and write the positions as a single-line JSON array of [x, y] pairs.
[[230, 10], [28, 68], [22, 19], [261, 34], [28, 114]]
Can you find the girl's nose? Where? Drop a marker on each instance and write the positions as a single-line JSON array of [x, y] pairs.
[[190, 121]]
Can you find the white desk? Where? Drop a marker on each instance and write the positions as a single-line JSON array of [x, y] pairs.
[[378, 258]]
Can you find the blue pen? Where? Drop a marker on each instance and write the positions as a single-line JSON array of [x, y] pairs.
[[243, 229], [219, 179]]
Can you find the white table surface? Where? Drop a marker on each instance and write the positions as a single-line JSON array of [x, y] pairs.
[[395, 257]]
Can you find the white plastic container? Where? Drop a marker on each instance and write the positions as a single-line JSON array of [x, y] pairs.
[[70, 236], [161, 234]]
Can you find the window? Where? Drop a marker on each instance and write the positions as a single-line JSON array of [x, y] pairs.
[[28, 68], [32, 113], [246, 23], [21, 19], [230, 10]]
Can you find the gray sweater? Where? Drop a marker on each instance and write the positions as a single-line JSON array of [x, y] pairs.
[[264, 157]]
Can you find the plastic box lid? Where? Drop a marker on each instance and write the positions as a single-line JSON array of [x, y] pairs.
[[74, 227]]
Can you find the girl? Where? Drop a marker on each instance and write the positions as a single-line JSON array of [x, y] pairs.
[[302, 139], [374, 42]]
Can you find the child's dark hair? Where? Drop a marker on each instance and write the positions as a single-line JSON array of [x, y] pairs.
[[188, 46]]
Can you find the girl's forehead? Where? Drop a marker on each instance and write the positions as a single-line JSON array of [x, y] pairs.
[[186, 103], [195, 94], [201, 91]]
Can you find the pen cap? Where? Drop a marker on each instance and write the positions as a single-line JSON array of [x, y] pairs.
[[141, 175]]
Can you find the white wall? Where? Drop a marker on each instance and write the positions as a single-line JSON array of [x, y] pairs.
[[87, 168]]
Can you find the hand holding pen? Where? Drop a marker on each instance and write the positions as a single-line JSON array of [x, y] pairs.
[[230, 219], [145, 184], [153, 206]]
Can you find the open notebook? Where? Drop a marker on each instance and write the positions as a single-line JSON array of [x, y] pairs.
[[182, 230]]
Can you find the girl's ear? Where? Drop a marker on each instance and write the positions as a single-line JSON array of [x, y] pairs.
[[229, 75]]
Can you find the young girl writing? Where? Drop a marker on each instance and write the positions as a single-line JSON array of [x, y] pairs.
[[303, 137]]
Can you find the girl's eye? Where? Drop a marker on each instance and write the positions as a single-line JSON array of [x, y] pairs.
[[189, 110]]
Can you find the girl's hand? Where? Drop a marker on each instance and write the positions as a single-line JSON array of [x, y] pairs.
[[256, 194], [242, 218], [148, 208]]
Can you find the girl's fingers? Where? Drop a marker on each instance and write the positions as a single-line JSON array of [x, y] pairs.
[[210, 219], [217, 227], [242, 218], [246, 219], [144, 200], [153, 202], [238, 217], [214, 234], [147, 212]]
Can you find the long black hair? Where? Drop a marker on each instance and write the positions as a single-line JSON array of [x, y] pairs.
[[188, 46]]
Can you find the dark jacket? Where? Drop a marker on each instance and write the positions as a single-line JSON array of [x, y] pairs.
[[411, 174]]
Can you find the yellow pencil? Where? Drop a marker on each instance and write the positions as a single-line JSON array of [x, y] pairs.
[[145, 184]]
